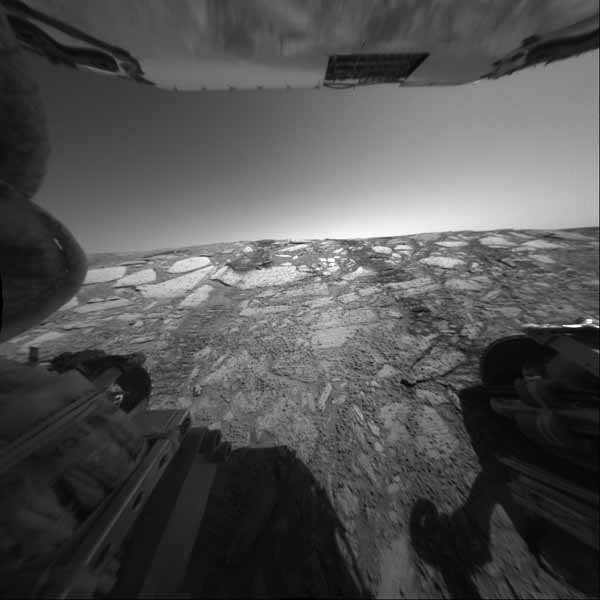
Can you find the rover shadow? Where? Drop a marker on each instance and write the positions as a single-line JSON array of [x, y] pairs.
[[269, 530], [459, 544]]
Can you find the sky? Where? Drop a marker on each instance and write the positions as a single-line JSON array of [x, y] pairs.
[[138, 168]]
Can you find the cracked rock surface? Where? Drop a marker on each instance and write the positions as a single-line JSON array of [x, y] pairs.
[[350, 352]]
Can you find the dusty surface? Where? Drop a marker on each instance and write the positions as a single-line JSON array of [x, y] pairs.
[[355, 355]]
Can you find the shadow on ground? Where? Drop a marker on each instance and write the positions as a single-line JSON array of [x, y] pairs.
[[459, 544], [270, 531]]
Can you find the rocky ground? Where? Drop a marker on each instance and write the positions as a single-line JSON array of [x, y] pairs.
[[357, 355]]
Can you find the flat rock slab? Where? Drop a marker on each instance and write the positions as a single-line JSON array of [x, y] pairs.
[[50, 336], [318, 302], [543, 258], [295, 248], [273, 276], [395, 417], [197, 297], [452, 244], [189, 264], [573, 236], [104, 275], [359, 272], [510, 312], [399, 575], [176, 286], [310, 289], [348, 298], [386, 371], [103, 305], [332, 337], [138, 278], [262, 311], [542, 245], [127, 316], [496, 241], [79, 324], [417, 283], [444, 262], [381, 249], [468, 284], [430, 397]]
